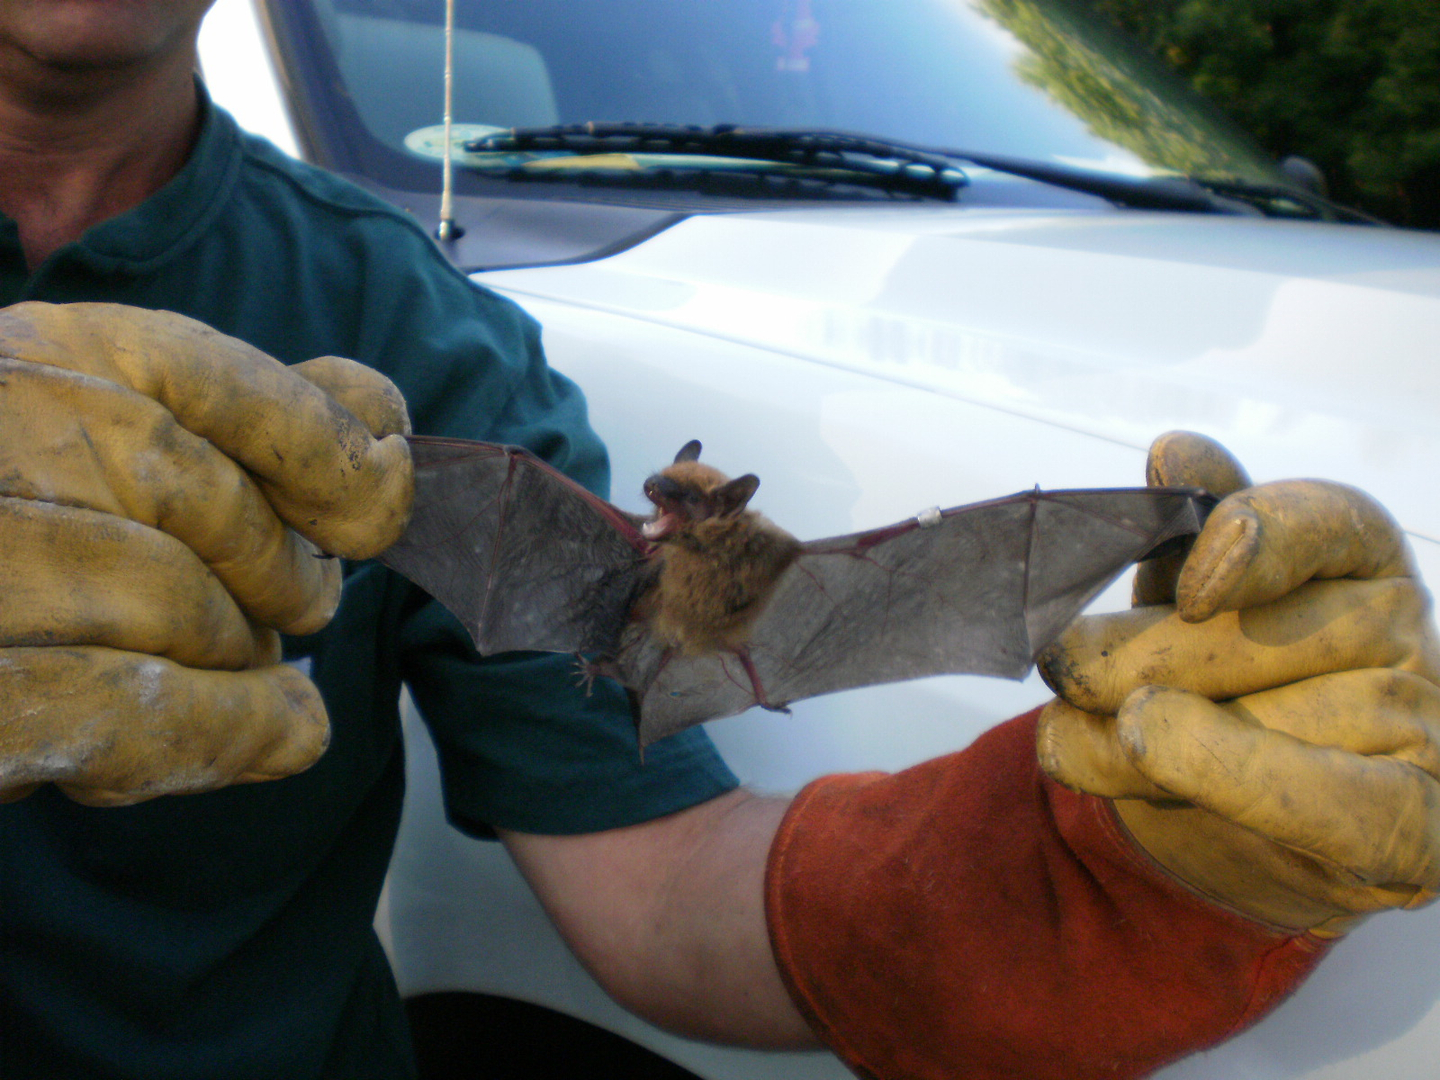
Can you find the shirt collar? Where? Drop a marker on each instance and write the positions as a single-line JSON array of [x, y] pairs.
[[148, 235]]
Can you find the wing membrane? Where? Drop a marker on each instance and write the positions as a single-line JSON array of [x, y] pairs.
[[523, 556]]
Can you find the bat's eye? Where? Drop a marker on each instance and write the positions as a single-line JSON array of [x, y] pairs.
[[696, 506]]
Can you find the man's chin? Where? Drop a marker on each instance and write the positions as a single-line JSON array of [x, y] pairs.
[[80, 36]]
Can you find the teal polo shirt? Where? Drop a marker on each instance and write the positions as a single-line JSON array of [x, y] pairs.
[[228, 935]]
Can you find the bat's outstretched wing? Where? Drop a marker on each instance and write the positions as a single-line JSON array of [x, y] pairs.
[[519, 553], [527, 559], [978, 589]]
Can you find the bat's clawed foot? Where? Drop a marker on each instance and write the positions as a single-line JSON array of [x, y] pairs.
[[756, 686], [587, 671]]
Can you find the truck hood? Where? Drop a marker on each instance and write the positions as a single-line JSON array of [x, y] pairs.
[[1307, 349]]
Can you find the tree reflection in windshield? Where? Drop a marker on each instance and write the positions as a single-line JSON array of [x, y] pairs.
[[1118, 98]]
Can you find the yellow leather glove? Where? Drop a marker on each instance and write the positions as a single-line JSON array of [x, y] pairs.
[[1270, 736], [155, 478]]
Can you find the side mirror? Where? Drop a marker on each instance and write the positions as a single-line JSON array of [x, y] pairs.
[[1306, 174]]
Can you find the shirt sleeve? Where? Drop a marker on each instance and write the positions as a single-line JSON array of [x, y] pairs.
[[522, 744]]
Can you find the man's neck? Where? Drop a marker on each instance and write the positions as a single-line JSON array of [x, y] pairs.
[[80, 150]]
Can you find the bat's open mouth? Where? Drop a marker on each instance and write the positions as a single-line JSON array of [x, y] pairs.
[[664, 525], [669, 517]]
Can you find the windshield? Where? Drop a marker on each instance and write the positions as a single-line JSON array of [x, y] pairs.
[[1024, 78]]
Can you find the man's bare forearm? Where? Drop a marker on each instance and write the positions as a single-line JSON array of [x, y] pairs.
[[669, 917]]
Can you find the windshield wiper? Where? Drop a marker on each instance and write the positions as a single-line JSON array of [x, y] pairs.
[[922, 170], [824, 156], [929, 169], [1285, 201]]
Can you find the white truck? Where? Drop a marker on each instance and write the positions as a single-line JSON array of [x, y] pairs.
[[983, 246]]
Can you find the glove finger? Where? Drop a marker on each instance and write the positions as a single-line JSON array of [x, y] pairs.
[[317, 463], [1182, 459], [1376, 817], [1261, 543], [1251, 872], [113, 728], [1372, 712], [1188, 459], [363, 390], [76, 577], [1083, 752], [79, 441], [1322, 626]]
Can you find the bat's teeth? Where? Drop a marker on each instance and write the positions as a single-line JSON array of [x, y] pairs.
[[658, 529]]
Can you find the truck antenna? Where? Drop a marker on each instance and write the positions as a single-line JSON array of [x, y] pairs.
[[448, 230]]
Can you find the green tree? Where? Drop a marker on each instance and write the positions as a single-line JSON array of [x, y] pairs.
[[1116, 97], [1353, 85]]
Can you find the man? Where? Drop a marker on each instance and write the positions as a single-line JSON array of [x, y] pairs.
[[967, 918]]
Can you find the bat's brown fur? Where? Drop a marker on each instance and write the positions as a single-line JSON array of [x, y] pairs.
[[717, 569]]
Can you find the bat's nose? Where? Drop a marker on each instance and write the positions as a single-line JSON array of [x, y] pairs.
[[661, 490]]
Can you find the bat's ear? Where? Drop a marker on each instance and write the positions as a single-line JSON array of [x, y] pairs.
[[733, 496], [689, 452]]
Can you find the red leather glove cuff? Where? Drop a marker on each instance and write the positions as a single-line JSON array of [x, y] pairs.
[[969, 919]]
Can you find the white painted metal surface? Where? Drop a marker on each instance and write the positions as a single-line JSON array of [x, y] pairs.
[[239, 74]]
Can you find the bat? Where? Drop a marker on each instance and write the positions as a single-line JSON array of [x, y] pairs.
[[705, 608]]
